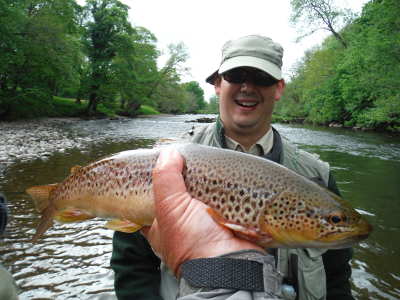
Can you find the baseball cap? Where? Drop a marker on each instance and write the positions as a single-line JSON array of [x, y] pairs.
[[254, 51]]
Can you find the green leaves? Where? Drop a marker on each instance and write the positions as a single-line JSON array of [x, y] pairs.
[[56, 47], [357, 85]]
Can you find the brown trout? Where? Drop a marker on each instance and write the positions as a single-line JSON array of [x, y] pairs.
[[259, 200]]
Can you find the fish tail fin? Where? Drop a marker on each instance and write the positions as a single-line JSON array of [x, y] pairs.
[[41, 195], [45, 223]]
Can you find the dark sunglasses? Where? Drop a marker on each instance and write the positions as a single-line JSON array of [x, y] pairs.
[[241, 75]]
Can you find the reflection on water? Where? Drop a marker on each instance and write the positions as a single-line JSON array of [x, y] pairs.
[[72, 260]]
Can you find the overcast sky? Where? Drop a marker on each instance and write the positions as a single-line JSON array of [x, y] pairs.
[[204, 26]]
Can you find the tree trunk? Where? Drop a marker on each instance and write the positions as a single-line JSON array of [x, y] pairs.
[[92, 106]]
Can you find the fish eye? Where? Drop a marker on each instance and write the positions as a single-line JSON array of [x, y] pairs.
[[335, 219]]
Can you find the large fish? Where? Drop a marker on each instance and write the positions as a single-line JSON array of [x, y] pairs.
[[258, 199]]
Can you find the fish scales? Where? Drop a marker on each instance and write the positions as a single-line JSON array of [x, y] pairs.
[[259, 199]]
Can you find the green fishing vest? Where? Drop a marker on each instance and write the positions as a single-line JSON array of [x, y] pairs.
[[310, 277]]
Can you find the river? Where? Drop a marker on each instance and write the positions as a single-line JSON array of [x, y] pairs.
[[72, 260]]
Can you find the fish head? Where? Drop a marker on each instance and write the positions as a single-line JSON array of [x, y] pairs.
[[314, 220]]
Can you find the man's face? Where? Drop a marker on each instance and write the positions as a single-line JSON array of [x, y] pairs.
[[247, 107]]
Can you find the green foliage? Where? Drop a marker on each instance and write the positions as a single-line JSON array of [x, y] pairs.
[[107, 32], [212, 105], [195, 97], [58, 48], [357, 85], [147, 110]]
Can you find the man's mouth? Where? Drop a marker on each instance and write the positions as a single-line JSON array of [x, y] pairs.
[[246, 103]]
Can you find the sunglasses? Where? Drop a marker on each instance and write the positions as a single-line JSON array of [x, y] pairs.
[[241, 75]]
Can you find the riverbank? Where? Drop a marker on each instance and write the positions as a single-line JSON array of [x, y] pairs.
[[60, 107], [303, 121]]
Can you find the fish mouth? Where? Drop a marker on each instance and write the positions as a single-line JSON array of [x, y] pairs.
[[340, 239]]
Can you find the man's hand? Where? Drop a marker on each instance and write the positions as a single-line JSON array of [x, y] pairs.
[[183, 230]]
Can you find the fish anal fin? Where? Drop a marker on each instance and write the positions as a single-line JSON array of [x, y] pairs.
[[123, 226], [75, 169], [41, 195], [247, 233], [72, 215]]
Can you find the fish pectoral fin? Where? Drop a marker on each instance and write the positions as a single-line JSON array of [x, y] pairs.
[[41, 195], [72, 215], [247, 233], [123, 226]]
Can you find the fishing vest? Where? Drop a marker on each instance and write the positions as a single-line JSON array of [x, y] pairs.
[[302, 268]]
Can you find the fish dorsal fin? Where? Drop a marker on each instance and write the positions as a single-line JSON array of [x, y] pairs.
[[75, 169], [41, 195]]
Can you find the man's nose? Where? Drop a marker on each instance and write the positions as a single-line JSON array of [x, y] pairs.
[[248, 85]]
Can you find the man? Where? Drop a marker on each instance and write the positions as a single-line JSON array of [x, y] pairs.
[[8, 288], [248, 82]]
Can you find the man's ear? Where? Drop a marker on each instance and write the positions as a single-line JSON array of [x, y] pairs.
[[280, 87]]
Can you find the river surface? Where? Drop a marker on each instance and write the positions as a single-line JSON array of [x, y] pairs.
[[72, 260]]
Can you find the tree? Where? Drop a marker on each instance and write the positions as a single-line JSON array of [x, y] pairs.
[[39, 50], [173, 68], [194, 89], [213, 105], [320, 14], [137, 71], [167, 93], [108, 31]]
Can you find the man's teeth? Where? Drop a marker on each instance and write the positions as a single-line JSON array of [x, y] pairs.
[[246, 104]]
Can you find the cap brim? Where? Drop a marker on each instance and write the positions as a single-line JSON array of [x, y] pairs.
[[250, 61], [211, 79]]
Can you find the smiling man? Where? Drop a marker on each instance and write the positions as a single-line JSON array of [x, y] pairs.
[[248, 83]]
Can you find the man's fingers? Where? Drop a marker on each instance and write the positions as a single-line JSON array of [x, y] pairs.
[[167, 174]]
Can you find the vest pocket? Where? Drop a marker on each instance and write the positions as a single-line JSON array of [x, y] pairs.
[[312, 278]]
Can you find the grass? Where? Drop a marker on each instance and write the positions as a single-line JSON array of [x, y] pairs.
[[39, 106], [67, 107], [147, 110]]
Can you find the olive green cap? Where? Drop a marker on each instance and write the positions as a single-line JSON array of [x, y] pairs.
[[254, 51]]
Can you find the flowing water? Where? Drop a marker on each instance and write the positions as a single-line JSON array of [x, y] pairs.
[[72, 260]]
